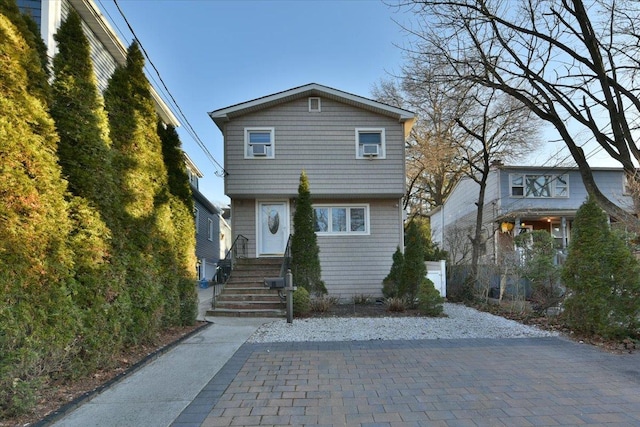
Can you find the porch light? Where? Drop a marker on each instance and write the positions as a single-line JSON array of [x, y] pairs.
[[506, 227]]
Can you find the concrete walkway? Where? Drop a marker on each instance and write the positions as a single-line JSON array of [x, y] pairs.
[[156, 394]]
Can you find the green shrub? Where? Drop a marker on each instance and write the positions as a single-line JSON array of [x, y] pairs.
[[429, 299], [301, 302], [602, 278], [391, 283], [413, 269], [395, 304]]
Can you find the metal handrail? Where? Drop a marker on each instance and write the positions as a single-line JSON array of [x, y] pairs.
[[286, 261], [237, 250]]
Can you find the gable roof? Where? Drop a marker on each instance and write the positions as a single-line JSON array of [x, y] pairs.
[[223, 115]]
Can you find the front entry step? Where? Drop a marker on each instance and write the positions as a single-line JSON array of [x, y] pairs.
[[245, 295]]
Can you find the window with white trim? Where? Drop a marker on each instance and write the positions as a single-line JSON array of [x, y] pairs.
[[259, 143], [341, 219], [314, 105], [210, 233], [539, 186], [370, 143]]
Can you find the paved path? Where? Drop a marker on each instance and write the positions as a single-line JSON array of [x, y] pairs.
[[469, 382]]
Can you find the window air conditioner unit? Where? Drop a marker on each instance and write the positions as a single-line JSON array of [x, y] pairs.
[[259, 149], [370, 150]]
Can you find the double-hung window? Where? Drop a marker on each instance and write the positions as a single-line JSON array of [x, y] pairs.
[[341, 219], [539, 186], [370, 143], [259, 143]]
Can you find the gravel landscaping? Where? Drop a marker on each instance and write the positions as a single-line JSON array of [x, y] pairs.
[[460, 322]]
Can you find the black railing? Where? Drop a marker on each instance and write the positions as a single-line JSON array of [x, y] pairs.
[[286, 260], [223, 270]]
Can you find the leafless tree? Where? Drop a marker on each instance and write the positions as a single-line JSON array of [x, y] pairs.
[[433, 164], [573, 63]]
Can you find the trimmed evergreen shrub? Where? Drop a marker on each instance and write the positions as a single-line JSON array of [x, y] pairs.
[[602, 278], [38, 322], [414, 270], [301, 302], [391, 283], [305, 262], [429, 299]]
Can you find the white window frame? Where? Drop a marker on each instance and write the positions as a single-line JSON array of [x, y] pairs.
[[311, 107], [553, 181], [196, 218], [383, 150], [271, 147], [210, 229], [348, 207]]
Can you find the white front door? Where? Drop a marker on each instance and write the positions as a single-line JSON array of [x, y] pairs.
[[273, 228]]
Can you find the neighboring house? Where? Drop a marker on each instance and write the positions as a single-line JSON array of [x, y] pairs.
[[207, 221], [519, 199], [352, 149]]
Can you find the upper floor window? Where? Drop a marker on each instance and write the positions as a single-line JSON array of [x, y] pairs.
[[210, 231], [347, 219], [539, 186], [259, 143], [314, 105], [370, 143]]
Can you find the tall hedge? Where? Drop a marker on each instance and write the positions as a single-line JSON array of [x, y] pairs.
[[140, 176], [305, 263], [84, 154], [602, 278], [37, 318]]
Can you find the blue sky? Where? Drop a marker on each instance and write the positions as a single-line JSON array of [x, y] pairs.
[[212, 54]]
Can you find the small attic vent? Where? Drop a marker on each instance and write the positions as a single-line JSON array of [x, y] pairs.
[[314, 105]]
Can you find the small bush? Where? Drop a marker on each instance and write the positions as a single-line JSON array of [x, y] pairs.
[[362, 299], [429, 299], [395, 305], [323, 303], [301, 302]]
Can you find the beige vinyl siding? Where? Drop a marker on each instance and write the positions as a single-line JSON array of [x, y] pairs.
[[243, 221], [357, 264], [323, 144]]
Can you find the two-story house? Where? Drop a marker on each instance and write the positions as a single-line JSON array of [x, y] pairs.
[[352, 149], [519, 199]]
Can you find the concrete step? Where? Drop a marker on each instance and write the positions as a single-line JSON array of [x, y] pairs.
[[246, 313], [271, 297], [249, 305]]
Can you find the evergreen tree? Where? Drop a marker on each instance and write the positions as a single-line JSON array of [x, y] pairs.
[[602, 278], [140, 177], [34, 60], [182, 308], [78, 110], [414, 270], [84, 155], [175, 163], [391, 283], [305, 263], [37, 319]]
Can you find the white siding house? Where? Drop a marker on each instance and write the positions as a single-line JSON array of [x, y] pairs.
[[519, 199], [352, 150]]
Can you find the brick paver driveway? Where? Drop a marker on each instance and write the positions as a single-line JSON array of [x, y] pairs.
[[465, 382]]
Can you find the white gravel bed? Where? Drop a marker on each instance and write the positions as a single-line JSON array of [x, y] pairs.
[[461, 322]]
